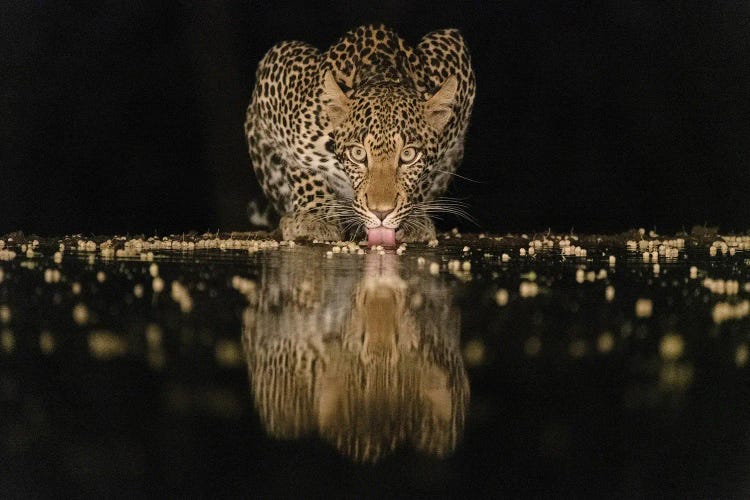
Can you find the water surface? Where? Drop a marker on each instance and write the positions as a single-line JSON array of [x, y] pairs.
[[521, 366]]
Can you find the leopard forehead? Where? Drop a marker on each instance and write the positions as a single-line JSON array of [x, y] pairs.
[[385, 112]]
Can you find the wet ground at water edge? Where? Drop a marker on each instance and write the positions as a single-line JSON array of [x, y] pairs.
[[520, 365]]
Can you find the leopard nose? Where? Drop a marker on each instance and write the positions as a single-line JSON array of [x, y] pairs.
[[381, 214]]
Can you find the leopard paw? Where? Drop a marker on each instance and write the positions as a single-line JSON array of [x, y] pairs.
[[305, 227]]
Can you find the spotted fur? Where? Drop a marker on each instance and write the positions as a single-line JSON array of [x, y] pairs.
[[370, 90]]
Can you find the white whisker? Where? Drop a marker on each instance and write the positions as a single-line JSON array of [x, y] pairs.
[[457, 175]]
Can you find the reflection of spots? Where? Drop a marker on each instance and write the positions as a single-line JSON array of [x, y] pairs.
[[386, 372]]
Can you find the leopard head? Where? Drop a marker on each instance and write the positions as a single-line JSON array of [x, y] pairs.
[[386, 138]]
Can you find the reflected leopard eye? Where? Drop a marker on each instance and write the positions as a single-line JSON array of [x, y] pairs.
[[357, 154], [409, 155]]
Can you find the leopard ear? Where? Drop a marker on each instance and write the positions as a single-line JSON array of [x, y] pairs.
[[438, 109], [335, 102]]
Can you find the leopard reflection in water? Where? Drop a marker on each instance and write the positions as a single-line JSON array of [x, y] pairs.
[[366, 359]]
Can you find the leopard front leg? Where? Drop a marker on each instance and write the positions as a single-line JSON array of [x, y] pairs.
[[313, 213], [308, 226]]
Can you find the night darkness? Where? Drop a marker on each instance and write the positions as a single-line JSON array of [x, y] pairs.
[[127, 117]]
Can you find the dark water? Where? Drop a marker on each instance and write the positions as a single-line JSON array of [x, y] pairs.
[[447, 371]]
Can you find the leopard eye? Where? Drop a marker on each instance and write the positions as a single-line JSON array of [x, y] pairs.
[[409, 155], [357, 154]]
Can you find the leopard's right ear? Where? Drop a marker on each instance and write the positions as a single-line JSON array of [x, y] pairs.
[[439, 108], [335, 103]]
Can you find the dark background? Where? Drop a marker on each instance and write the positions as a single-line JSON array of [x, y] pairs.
[[595, 116]]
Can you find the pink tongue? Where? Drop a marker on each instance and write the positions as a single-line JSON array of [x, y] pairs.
[[381, 236]]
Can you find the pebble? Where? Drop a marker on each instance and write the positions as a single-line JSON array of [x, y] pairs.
[[671, 347], [501, 297], [532, 346], [605, 342], [528, 289], [741, 355], [580, 275], [46, 342], [52, 275], [474, 352], [7, 341], [644, 308], [5, 314], [153, 335], [228, 353], [80, 314]]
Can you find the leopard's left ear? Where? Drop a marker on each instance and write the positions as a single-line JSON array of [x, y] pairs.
[[438, 109], [335, 102]]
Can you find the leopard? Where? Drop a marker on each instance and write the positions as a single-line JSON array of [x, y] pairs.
[[364, 138], [367, 361]]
